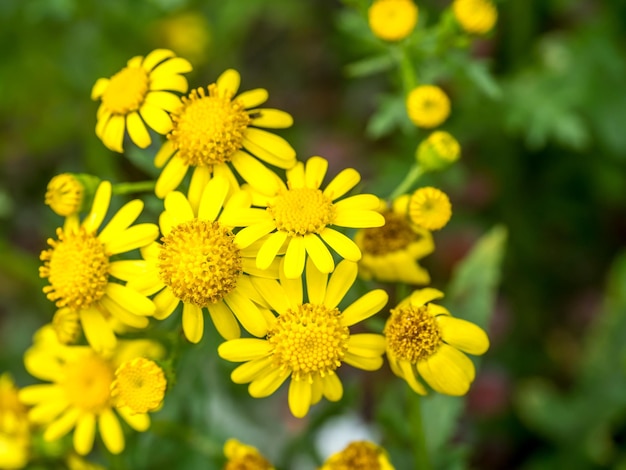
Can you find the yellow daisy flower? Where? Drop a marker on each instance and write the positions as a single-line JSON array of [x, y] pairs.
[[423, 339], [139, 97], [201, 264], [359, 455], [215, 130], [475, 16], [244, 457], [438, 151], [392, 20], [83, 277], [391, 252], [14, 427], [139, 385], [300, 215], [430, 208], [308, 341], [78, 396], [427, 106]]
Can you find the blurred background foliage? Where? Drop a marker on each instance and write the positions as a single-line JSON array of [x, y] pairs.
[[538, 107]]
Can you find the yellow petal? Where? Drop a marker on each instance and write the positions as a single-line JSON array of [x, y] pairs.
[[315, 171], [164, 154], [448, 371], [358, 202], [170, 177], [342, 183], [423, 296], [272, 143], [358, 219], [164, 100], [200, 176], [463, 335], [367, 344], [111, 431], [273, 293], [292, 287], [332, 387], [365, 307], [129, 269], [113, 133], [343, 245], [174, 66], [248, 235], [99, 88], [59, 428], [247, 313], [123, 219], [229, 82], [97, 330], [224, 321], [138, 421], [156, 118], [137, 130], [130, 299], [255, 173], [85, 433], [244, 349], [268, 383], [249, 371], [364, 363], [269, 249], [253, 98], [299, 397], [316, 282], [99, 207], [408, 373], [340, 282], [123, 315], [193, 322], [271, 118], [165, 302], [177, 205], [319, 253], [294, 258], [155, 57], [212, 198], [136, 236]]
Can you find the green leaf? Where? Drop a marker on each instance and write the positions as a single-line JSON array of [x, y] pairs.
[[390, 114], [369, 66]]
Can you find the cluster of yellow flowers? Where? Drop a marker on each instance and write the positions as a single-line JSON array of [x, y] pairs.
[[266, 244]]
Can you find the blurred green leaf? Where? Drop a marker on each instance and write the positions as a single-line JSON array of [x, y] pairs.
[[369, 66]]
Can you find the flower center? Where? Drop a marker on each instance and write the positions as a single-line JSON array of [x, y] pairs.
[[248, 462], [77, 268], [200, 262], [309, 340], [139, 384], [395, 235], [430, 208], [126, 90], [357, 455], [209, 129], [87, 383], [412, 333], [302, 210]]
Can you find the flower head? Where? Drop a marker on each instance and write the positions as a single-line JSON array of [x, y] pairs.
[[428, 106], [300, 215], [244, 457], [309, 340], [187, 33], [430, 208], [14, 427], [359, 455], [64, 194], [81, 272], [392, 20], [201, 265], [423, 339], [214, 130], [139, 385], [391, 252], [475, 16], [78, 395], [139, 97], [439, 150]]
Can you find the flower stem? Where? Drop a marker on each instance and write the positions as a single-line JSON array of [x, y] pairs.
[[135, 187], [417, 431], [409, 180]]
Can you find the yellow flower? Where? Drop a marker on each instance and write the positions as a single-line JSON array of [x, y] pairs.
[[359, 455], [186, 33], [81, 272], [423, 339], [308, 341], [391, 252], [428, 106], [14, 427], [244, 457], [201, 264], [79, 393], [214, 130], [430, 208], [439, 150], [139, 385], [64, 194], [475, 16], [392, 20], [139, 97], [300, 214]]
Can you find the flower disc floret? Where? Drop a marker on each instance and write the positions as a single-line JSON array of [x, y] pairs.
[[359, 455], [475, 16], [126, 91], [309, 339], [428, 106], [139, 385], [430, 208], [395, 235], [210, 128], [392, 20], [412, 333], [200, 262], [77, 267], [300, 211]]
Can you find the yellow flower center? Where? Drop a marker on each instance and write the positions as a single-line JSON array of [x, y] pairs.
[[302, 210], [126, 90], [356, 455], [64, 194], [244, 457], [430, 208], [412, 333], [209, 129], [77, 268], [395, 235], [200, 262], [139, 384], [87, 383], [309, 340], [66, 325]]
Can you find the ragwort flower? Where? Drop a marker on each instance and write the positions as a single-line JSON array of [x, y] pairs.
[[82, 274], [430, 208], [423, 339], [214, 130], [427, 106], [244, 457], [392, 20], [139, 385], [359, 455], [200, 264], [300, 214], [309, 340], [391, 252], [475, 16], [15, 433], [78, 396], [438, 151], [139, 97]]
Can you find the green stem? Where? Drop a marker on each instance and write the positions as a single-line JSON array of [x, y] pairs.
[[409, 180], [135, 187], [417, 431]]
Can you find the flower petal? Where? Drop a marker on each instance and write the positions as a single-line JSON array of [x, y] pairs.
[[248, 235], [271, 118], [97, 330], [408, 373], [229, 82], [340, 282], [367, 344], [315, 170], [177, 205], [164, 100], [294, 258], [60, 427], [278, 148], [299, 397], [137, 130], [343, 245], [269, 249], [85, 433], [113, 133], [123, 219], [319, 253], [359, 202], [136, 236], [342, 183], [463, 335], [251, 370], [253, 98], [364, 363], [156, 118], [99, 208], [130, 299], [164, 153], [255, 173], [165, 302], [155, 57], [448, 371], [365, 307], [111, 431], [359, 219], [138, 421], [170, 177], [267, 384], [244, 349], [224, 321], [332, 387], [316, 282], [212, 198], [193, 322], [99, 88], [273, 293], [247, 313]]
